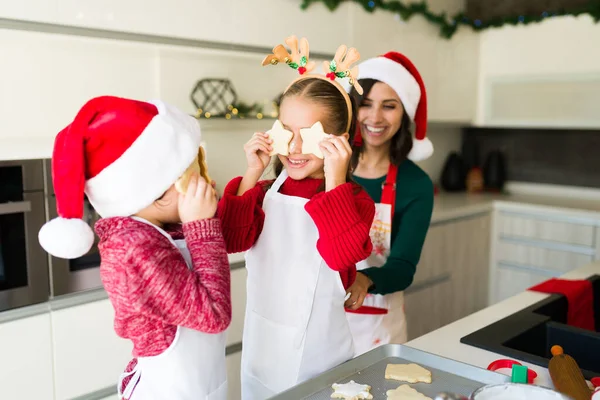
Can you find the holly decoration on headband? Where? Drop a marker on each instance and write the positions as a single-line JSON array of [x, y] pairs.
[[296, 59], [339, 67]]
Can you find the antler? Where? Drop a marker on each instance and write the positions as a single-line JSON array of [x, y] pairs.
[[340, 66], [297, 58], [280, 54]]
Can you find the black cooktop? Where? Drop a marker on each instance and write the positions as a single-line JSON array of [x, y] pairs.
[[529, 334]]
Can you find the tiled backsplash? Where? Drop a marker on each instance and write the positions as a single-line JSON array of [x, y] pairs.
[[560, 157]]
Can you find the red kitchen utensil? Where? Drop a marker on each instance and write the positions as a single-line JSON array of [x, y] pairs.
[[507, 364]]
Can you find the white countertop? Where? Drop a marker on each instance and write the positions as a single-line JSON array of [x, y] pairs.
[[445, 341]]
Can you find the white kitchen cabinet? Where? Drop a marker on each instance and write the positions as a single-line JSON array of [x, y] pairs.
[[234, 388], [88, 355], [192, 19], [522, 81], [452, 275], [510, 280], [531, 247], [26, 354], [30, 10], [52, 76], [238, 305]]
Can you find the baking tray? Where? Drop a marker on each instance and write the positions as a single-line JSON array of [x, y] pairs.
[[369, 369]]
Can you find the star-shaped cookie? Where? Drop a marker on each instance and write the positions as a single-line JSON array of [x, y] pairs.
[[351, 391], [405, 392], [311, 137], [281, 139]]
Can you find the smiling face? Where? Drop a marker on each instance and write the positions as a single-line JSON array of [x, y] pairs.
[[297, 113], [380, 115]]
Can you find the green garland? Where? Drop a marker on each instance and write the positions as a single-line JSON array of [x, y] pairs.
[[448, 26]]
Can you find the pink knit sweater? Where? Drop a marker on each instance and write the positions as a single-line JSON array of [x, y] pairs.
[[151, 287]]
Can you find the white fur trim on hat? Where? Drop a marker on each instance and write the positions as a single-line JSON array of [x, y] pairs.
[[421, 150], [157, 158], [66, 238], [397, 77]]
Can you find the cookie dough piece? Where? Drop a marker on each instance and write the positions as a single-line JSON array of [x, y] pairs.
[[197, 166], [405, 392], [351, 391], [281, 139], [411, 373], [311, 137]]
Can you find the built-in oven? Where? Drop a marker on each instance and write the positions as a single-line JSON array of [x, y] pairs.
[[24, 276], [79, 274]]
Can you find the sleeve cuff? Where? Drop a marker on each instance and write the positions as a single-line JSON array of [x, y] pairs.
[[334, 212], [205, 229]]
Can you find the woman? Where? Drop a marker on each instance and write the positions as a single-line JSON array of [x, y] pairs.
[[383, 155]]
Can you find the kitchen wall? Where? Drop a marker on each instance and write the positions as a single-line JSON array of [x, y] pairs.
[[51, 65]]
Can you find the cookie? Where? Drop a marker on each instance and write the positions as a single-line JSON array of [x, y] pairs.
[[197, 166], [351, 391], [281, 139], [411, 373], [311, 137], [405, 392]]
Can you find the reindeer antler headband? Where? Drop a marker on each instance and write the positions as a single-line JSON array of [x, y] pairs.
[[339, 67]]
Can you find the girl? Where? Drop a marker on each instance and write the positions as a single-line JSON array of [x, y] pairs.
[[393, 97], [170, 290], [305, 231]]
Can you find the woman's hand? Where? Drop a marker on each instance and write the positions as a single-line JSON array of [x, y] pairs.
[[337, 152], [257, 151], [358, 291]]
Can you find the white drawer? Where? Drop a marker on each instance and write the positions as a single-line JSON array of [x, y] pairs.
[[549, 259], [234, 387], [510, 281], [541, 229], [238, 305]]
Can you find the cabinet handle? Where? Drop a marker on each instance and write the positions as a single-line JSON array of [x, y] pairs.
[[15, 207]]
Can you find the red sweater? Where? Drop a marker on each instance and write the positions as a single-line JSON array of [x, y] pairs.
[[343, 217], [151, 287]]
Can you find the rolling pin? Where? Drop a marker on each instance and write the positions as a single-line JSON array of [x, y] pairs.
[[567, 376]]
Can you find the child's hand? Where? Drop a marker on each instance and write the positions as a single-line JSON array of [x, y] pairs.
[[199, 202], [336, 152], [257, 151]]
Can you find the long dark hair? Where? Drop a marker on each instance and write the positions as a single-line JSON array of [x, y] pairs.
[[401, 143], [329, 97]]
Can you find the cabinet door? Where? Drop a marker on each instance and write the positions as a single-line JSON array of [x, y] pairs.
[[427, 309], [238, 305], [88, 355], [510, 281], [469, 254], [26, 353], [234, 391]]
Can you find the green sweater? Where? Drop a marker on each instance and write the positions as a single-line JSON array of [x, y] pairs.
[[410, 223]]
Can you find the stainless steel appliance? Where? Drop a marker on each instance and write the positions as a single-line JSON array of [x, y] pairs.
[[79, 274], [23, 263]]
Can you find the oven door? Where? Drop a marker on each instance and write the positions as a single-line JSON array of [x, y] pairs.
[[79, 274], [23, 263]]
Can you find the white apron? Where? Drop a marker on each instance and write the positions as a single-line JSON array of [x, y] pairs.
[[295, 325], [192, 368], [381, 319]]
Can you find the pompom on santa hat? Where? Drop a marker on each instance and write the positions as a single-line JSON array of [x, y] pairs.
[[123, 154], [400, 74]]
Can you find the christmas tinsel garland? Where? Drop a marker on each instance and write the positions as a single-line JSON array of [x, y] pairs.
[[449, 25]]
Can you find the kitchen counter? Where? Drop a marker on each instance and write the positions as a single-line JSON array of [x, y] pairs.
[[448, 206], [446, 340]]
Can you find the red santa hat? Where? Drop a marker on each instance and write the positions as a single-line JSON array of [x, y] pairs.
[[400, 74], [123, 154]]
